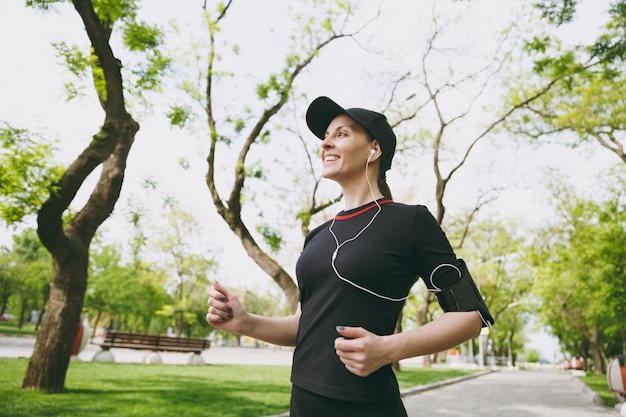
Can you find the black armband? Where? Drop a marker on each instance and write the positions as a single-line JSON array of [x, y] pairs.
[[463, 295]]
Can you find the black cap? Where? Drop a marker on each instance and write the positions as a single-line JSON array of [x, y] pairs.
[[323, 110]]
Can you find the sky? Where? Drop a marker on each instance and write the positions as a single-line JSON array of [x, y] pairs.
[[31, 95]]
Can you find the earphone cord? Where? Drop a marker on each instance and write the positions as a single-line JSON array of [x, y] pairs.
[[334, 256]]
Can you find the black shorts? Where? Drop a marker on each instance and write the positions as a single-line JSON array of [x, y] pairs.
[[307, 404]]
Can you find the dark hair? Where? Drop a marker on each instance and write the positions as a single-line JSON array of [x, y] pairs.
[[382, 175], [383, 186]]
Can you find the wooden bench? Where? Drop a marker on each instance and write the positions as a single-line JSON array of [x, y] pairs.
[[152, 342]]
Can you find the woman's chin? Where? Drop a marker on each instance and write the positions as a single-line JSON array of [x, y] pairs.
[[329, 174]]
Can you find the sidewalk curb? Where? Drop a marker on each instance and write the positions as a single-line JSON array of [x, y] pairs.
[[595, 398], [422, 388]]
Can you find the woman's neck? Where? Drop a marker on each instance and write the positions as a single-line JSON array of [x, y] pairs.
[[357, 199]]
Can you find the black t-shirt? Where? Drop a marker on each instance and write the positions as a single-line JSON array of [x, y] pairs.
[[402, 243]]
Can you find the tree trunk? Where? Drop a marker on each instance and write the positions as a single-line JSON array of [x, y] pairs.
[[270, 266], [180, 320], [70, 251], [485, 345], [69, 245], [23, 307], [95, 323], [48, 365], [42, 310], [596, 351], [422, 318], [230, 210]]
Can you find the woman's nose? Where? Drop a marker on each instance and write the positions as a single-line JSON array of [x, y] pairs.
[[327, 142]]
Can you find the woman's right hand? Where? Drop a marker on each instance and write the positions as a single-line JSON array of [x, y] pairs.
[[225, 310]]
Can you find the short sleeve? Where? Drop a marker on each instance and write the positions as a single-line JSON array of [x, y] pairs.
[[432, 250]]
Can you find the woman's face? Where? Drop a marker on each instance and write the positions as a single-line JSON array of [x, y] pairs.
[[345, 150]]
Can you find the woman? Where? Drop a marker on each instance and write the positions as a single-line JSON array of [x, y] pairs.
[[354, 274]]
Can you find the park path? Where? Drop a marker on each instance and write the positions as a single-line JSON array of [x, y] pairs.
[[15, 347], [510, 393]]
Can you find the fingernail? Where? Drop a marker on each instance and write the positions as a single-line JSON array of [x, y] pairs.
[[341, 327], [222, 318], [230, 316], [222, 298], [229, 309]]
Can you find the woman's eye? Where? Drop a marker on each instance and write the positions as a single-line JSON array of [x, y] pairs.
[[342, 134]]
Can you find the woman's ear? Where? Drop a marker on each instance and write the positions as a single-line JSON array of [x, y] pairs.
[[376, 147], [374, 152]]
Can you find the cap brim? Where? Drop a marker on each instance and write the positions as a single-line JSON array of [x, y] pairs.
[[320, 113]]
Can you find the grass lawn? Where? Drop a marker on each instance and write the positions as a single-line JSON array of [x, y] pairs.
[[9, 328], [600, 385], [121, 390], [112, 389]]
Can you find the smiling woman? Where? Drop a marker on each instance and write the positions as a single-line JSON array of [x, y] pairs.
[[31, 93], [354, 275], [373, 140]]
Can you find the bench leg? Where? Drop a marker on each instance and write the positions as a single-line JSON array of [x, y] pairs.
[[153, 358], [103, 356], [195, 359]]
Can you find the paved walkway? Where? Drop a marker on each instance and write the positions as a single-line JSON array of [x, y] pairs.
[[511, 394], [15, 347]]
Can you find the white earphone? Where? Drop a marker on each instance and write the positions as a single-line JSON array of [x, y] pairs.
[[372, 152], [339, 245]]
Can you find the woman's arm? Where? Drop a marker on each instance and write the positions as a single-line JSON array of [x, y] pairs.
[[447, 331], [363, 352], [227, 313]]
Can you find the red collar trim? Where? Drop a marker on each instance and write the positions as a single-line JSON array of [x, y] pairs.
[[363, 210]]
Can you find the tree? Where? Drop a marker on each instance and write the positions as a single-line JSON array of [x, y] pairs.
[[448, 99], [7, 278], [68, 241], [26, 169], [610, 46], [580, 269], [188, 264], [32, 265], [585, 99], [113, 288], [255, 124], [495, 249], [152, 281]]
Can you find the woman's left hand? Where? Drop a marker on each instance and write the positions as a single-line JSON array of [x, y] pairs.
[[361, 351]]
